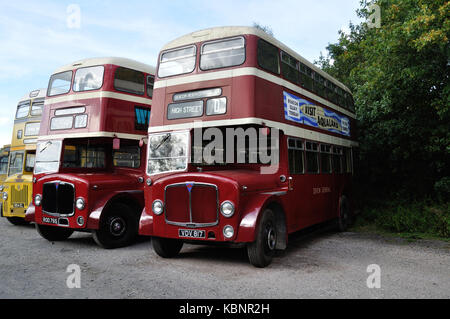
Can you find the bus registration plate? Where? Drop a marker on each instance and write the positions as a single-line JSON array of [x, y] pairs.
[[50, 220], [191, 233]]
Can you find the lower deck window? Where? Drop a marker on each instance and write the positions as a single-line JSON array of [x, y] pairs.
[[347, 160], [295, 155], [83, 156], [128, 156], [325, 158], [236, 145], [312, 157], [29, 162], [15, 163], [337, 160]]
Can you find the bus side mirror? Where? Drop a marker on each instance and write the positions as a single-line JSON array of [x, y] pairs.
[[116, 144]]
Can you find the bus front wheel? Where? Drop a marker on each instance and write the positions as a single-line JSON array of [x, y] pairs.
[[261, 251], [118, 227], [166, 247], [52, 233]]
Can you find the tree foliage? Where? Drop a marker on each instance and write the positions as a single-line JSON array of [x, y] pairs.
[[399, 77]]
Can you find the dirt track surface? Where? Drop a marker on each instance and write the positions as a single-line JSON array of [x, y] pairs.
[[319, 265]]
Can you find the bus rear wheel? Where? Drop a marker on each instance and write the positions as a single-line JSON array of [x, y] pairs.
[[52, 233], [166, 247], [17, 221], [118, 227], [261, 251]]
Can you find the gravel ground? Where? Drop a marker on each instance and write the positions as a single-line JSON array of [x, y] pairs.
[[319, 265]]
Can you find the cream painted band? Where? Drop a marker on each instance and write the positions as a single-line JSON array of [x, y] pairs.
[[248, 71], [91, 134], [95, 95], [286, 128]]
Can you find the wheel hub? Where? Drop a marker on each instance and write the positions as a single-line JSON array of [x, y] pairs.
[[271, 238], [117, 226]]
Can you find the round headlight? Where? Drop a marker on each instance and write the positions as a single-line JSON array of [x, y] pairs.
[[157, 207], [227, 209], [38, 200], [149, 182], [228, 231], [80, 204], [5, 196]]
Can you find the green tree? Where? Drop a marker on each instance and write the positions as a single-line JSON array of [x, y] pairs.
[[399, 77]]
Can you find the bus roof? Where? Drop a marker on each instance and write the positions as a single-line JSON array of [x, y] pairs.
[[127, 63], [35, 94], [225, 32]]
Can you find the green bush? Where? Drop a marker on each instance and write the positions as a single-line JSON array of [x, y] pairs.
[[425, 218]]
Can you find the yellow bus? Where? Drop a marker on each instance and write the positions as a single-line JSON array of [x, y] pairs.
[[17, 187], [4, 154]]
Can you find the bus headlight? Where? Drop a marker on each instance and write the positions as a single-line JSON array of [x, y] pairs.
[[80, 204], [228, 231], [38, 200], [157, 207], [227, 209], [5, 196]]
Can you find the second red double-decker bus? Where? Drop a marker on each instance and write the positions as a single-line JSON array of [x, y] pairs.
[[248, 142], [90, 163]]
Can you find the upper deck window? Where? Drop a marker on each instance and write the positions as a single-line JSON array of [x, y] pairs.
[[268, 56], [129, 80], [87, 79], [59, 83], [222, 54], [306, 76], [36, 107], [290, 68], [22, 110], [179, 61]]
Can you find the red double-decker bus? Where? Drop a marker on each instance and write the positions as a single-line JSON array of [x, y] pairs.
[[90, 163], [265, 101]]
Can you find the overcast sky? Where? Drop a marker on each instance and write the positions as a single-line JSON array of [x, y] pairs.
[[36, 37]]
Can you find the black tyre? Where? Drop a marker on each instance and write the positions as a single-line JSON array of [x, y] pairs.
[[166, 247], [118, 227], [52, 233], [17, 221], [261, 251], [344, 218]]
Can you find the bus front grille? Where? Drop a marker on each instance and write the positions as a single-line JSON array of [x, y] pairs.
[[19, 194], [192, 204], [58, 198]]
